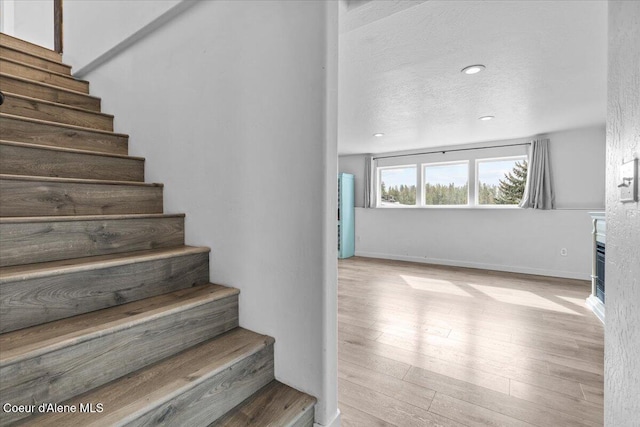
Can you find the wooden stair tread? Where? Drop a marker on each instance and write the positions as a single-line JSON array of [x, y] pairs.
[[54, 179], [34, 57], [34, 219], [32, 48], [13, 67], [126, 398], [26, 105], [51, 268], [47, 133], [46, 91], [68, 150], [61, 125], [41, 339], [39, 83], [276, 405], [66, 76], [56, 104]]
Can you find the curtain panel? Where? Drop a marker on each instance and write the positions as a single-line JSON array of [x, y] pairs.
[[538, 191]]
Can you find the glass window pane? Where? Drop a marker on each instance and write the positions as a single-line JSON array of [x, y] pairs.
[[501, 181], [398, 186], [446, 184]]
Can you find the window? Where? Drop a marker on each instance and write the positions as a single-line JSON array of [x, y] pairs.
[[397, 186], [446, 184], [457, 179], [500, 181]]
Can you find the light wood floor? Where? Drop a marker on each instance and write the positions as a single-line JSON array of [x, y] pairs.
[[423, 345]]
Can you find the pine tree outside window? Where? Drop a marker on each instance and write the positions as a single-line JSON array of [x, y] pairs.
[[446, 184], [397, 186], [500, 181]]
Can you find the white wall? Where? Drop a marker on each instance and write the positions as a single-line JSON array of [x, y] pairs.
[[233, 105], [106, 24], [30, 20], [622, 333], [501, 239]]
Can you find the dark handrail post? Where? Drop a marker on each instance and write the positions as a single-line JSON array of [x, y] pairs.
[[57, 25]]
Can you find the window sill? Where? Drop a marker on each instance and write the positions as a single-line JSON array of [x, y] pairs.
[[462, 207]]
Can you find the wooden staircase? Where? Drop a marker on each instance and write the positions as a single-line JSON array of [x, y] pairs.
[[103, 309]]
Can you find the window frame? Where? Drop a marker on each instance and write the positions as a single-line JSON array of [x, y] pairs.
[[379, 170], [423, 184], [477, 203]]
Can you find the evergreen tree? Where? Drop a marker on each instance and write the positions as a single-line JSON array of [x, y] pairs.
[[511, 187]]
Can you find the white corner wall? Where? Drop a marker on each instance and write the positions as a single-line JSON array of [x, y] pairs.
[[622, 329], [106, 25], [30, 20], [233, 104], [517, 240]]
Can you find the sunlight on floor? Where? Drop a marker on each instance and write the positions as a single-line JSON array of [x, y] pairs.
[[497, 293]]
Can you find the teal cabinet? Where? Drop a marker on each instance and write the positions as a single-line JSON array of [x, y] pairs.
[[346, 216]]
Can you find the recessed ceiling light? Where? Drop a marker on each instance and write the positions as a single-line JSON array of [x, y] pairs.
[[473, 69], [378, 135], [485, 118]]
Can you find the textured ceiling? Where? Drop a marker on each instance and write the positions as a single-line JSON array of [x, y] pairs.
[[400, 65]]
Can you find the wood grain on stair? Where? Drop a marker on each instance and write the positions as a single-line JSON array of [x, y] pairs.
[[275, 405], [31, 72], [100, 301], [25, 46], [192, 388], [39, 90], [33, 131], [18, 158], [71, 287], [58, 360], [45, 196], [19, 105], [37, 61], [42, 239]]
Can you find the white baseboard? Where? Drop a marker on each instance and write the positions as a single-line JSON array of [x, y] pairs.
[[596, 306], [483, 266], [335, 422]]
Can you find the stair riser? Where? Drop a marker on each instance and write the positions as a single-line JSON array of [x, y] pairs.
[[81, 292], [36, 61], [36, 109], [306, 420], [81, 366], [24, 46], [212, 398], [42, 198], [17, 130], [48, 93], [31, 242], [44, 76], [31, 161]]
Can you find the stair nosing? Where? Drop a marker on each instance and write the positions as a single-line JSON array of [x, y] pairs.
[[17, 355], [62, 125], [24, 64], [301, 398], [43, 58], [57, 104], [55, 179], [175, 388], [36, 82], [30, 43], [115, 217], [87, 264], [68, 150]]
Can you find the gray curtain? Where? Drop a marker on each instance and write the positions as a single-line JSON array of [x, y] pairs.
[[538, 191], [369, 195]]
